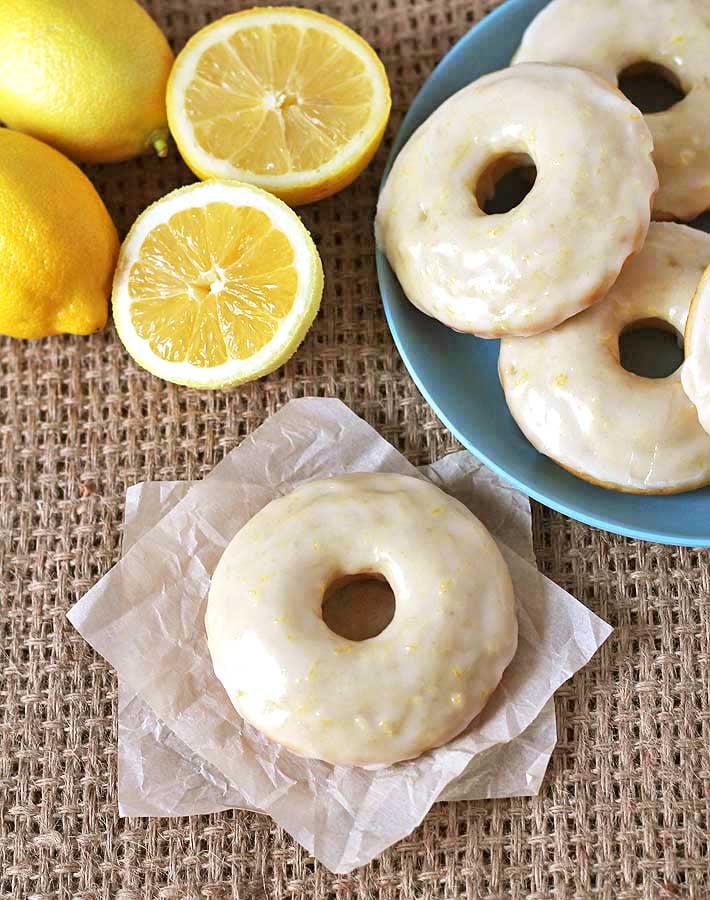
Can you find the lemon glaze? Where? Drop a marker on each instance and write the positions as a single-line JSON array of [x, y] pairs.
[[557, 252], [415, 685], [574, 401], [607, 38]]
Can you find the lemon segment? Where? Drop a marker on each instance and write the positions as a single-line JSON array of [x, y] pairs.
[[285, 98], [216, 284]]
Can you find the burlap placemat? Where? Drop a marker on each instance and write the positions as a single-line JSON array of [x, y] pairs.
[[625, 809]]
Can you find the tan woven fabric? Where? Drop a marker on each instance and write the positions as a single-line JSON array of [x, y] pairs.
[[624, 812]]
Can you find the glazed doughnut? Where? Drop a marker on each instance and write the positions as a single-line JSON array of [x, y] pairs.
[[607, 38], [412, 687], [575, 402], [562, 247], [696, 368]]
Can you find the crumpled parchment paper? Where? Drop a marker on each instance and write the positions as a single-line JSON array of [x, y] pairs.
[[146, 618], [158, 775]]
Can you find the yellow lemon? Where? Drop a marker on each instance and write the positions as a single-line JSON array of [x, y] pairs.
[[216, 284], [57, 242], [284, 98], [86, 76]]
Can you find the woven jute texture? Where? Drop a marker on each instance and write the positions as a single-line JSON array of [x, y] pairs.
[[624, 811]]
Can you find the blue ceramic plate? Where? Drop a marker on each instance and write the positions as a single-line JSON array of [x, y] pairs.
[[458, 373]]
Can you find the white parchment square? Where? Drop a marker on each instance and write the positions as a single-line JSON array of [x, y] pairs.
[[146, 617], [158, 775]]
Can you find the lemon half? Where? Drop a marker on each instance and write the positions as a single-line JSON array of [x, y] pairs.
[[285, 98], [216, 284]]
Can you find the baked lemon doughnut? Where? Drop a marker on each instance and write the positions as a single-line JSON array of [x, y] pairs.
[[562, 247], [696, 368], [415, 685], [576, 404], [608, 38]]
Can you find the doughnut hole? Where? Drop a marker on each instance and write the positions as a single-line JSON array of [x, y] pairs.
[[651, 348], [358, 607], [651, 87], [505, 183]]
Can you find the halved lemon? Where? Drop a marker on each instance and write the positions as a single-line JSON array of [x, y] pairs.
[[216, 284], [285, 98]]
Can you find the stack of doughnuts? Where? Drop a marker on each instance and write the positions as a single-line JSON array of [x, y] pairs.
[[559, 277]]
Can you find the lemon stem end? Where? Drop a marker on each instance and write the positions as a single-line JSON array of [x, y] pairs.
[[160, 145]]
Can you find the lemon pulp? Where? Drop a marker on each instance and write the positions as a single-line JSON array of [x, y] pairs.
[[297, 93], [216, 284], [212, 284], [280, 97]]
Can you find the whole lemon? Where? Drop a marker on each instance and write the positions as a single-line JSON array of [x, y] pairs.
[[58, 244], [86, 76]]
